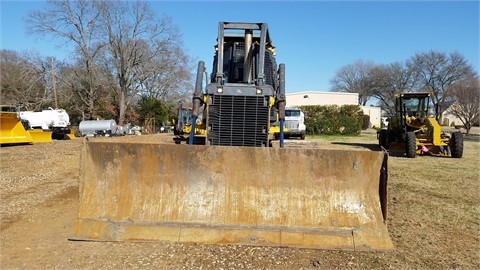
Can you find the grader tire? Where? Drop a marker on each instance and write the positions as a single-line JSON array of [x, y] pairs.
[[410, 145], [456, 144]]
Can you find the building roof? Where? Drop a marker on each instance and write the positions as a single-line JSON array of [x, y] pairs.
[[321, 98], [321, 93]]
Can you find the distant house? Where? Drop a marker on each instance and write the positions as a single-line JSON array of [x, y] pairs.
[[448, 119], [332, 98]]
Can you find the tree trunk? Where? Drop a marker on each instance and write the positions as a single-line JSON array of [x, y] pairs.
[[122, 107], [91, 108]]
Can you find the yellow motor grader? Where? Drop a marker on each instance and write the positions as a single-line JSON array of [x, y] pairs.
[[231, 185], [415, 125]]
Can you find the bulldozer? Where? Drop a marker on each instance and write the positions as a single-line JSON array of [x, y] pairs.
[[415, 125], [12, 130], [235, 183]]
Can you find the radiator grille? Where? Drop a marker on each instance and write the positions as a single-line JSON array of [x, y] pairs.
[[292, 124], [238, 121]]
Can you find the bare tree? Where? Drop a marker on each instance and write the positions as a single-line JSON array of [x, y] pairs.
[[74, 22], [135, 39], [438, 71], [124, 38], [168, 78], [393, 79], [23, 81], [356, 78], [71, 84], [467, 101]]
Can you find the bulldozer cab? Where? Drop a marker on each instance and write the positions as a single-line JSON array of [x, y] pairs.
[[8, 108], [184, 117], [245, 55]]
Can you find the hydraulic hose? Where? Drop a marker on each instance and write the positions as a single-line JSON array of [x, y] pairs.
[[192, 130], [281, 100], [281, 133]]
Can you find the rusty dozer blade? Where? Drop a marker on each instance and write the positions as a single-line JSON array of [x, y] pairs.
[[12, 130], [309, 198]]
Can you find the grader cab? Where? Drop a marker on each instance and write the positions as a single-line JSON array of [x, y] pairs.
[[415, 125]]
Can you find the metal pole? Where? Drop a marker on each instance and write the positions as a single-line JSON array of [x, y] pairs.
[[54, 85]]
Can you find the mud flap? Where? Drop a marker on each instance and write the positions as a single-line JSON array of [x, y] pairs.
[[310, 198]]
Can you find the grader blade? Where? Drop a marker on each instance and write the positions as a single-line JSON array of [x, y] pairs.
[[12, 130], [40, 136], [308, 198], [71, 134]]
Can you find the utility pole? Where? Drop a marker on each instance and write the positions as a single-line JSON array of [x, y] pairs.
[[54, 85]]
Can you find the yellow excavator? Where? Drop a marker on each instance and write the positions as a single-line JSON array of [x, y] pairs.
[[231, 185]]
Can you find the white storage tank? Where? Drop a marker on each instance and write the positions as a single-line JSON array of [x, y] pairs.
[[98, 127], [46, 119]]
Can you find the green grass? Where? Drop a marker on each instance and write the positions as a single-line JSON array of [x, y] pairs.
[[363, 136], [433, 210]]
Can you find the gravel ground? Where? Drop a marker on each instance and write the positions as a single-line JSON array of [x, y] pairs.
[[39, 195], [40, 203]]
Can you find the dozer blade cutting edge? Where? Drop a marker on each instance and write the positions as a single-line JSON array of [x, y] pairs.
[[309, 198]]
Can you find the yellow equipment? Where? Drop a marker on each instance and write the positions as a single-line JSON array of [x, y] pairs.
[[415, 125], [233, 188], [53, 122], [183, 125], [12, 130], [40, 136], [71, 134]]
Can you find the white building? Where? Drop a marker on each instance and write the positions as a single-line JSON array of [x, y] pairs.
[[332, 98], [449, 119], [321, 98], [375, 114]]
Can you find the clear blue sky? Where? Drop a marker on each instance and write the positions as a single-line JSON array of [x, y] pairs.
[[313, 38]]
